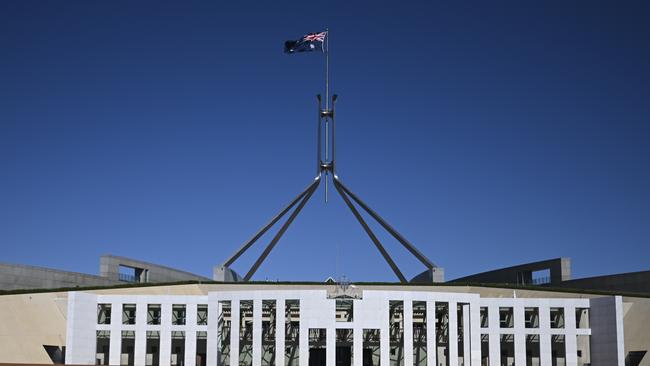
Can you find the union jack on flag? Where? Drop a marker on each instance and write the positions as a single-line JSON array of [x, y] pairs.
[[308, 43], [320, 37]]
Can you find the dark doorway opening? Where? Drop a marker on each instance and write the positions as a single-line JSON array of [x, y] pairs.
[[367, 357], [343, 356], [317, 356]]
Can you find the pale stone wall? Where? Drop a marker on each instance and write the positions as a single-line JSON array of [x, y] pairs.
[[29, 321]]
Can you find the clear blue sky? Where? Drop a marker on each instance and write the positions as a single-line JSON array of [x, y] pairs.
[[488, 133]]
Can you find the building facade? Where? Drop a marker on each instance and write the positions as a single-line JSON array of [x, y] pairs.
[[342, 327]]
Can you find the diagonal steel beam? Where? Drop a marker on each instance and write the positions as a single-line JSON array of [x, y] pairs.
[[266, 227], [372, 236], [410, 247], [284, 228]]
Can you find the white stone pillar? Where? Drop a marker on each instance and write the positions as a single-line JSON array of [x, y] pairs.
[[571, 348], [475, 334], [494, 329], [357, 346], [234, 333], [330, 346], [140, 350], [544, 335], [519, 333], [165, 334], [190, 347], [212, 343], [190, 334], [466, 336], [81, 339], [432, 346], [257, 332], [115, 348], [384, 335], [408, 333], [571, 344], [280, 328], [453, 334], [303, 336]]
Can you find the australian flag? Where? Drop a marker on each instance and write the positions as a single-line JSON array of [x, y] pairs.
[[308, 43]]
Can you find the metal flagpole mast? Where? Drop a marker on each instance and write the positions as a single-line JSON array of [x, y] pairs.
[[327, 67], [327, 100]]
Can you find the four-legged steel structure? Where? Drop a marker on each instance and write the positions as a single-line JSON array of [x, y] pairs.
[[326, 166]]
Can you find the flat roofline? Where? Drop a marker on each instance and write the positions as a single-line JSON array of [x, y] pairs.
[[606, 276], [543, 265], [313, 283], [53, 270], [144, 264]]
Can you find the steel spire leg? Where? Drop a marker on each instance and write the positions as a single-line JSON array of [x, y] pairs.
[[266, 227], [276, 238], [372, 236], [410, 247]]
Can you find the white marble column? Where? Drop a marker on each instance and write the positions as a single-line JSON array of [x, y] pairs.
[[140, 351], [212, 343], [432, 347], [280, 328], [257, 332], [330, 346], [234, 333], [475, 334], [165, 334], [190, 335], [466, 335], [520, 334], [494, 326], [453, 334], [408, 333], [115, 348], [544, 335], [357, 346]]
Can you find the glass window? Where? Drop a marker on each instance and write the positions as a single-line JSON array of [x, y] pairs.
[[557, 317], [506, 317], [153, 314], [127, 352], [246, 332], [128, 313], [178, 314], [582, 318], [484, 317], [223, 333], [102, 347], [507, 349], [178, 348], [371, 352], [202, 314], [268, 332], [291, 332], [442, 332], [103, 313], [420, 333], [531, 317], [344, 308], [396, 332], [152, 355]]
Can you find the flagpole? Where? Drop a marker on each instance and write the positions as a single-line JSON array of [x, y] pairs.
[[327, 68], [327, 99]]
